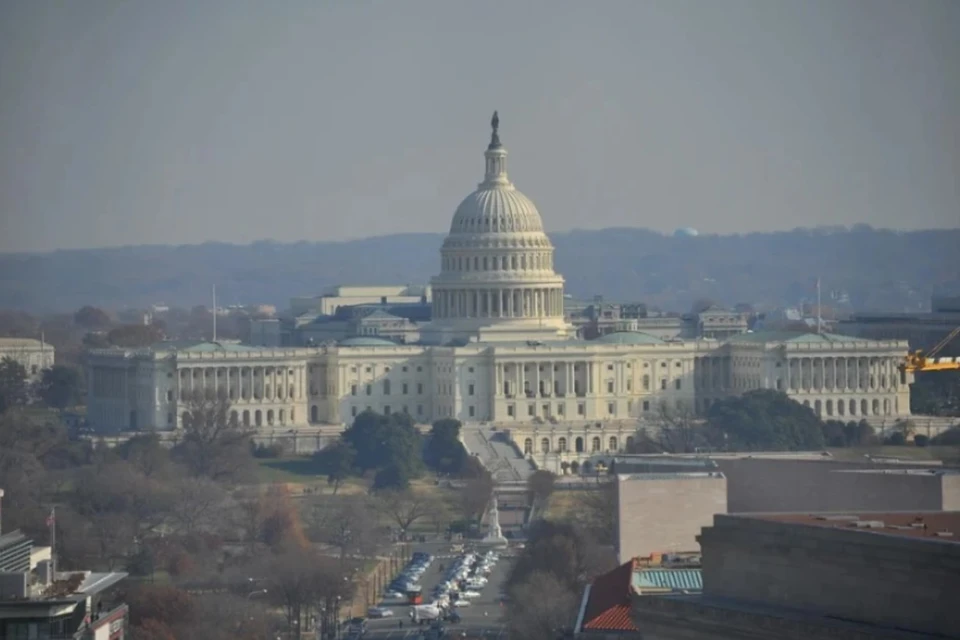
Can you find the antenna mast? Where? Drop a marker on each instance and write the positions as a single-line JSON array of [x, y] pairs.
[[214, 313], [819, 330]]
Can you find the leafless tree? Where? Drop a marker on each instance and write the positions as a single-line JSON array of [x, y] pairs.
[[215, 445], [541, 485], [405, 507], [597, 512], [199, 504], [348, 525], [678, 430], [543, 608]]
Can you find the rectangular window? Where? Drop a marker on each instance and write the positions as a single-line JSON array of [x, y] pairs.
[[676, 384], [353, 389], [470, 369], [559, 409], [419, 409], [646, 405], [663, 384], [470, 390], [386, 410], [419, 388], [510, 410], [629, 384], [581, 409], [779, 384], [531, 410], [353, 411], [609, 386], [405, 409], [404, 388], [470, 411], [611, 408], [369, 389]]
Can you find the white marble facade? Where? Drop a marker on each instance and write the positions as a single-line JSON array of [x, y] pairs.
[[34, 355], [498, 350]]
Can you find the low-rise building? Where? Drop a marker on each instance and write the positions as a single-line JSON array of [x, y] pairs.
[[661, 512], [34, 355], [812, 576], [39, 603]]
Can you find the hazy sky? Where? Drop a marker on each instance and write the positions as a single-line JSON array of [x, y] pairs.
[[181, 121]]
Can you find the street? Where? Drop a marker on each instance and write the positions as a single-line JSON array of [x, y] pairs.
[[482, 619]]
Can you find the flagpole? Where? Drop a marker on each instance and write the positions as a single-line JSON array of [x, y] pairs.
[[53, 541], [819, 315]]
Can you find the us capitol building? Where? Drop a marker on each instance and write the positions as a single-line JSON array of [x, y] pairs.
[[497, 349]]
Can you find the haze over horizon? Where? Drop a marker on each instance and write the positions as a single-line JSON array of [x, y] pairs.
[[178, 123]]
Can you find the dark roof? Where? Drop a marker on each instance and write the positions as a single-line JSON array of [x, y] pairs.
[[930, 525], [609, 601]]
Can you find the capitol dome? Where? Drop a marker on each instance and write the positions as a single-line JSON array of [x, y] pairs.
[[496, 271]]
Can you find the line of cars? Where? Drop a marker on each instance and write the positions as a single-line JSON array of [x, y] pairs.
[[405, 588], [464, 581]]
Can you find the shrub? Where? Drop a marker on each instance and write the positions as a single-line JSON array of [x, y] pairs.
[[896, 439], [921, 440]]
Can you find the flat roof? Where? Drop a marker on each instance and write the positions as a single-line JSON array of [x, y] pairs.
[[943, 526]]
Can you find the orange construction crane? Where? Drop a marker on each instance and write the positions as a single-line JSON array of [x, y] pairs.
[[920, 361]]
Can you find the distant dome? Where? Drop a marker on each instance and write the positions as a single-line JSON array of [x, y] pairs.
[[628, 337], [366, 341], [686, 232]]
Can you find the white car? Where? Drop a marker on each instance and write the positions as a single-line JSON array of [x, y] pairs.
[[394, 595], [459, 604], [469, 593], [379, 612]]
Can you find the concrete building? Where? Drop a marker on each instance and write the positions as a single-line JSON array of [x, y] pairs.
[[34, 355], [756, 485], [498, 349], [37, 602], [920, 330], [664, 512], [812, 576]]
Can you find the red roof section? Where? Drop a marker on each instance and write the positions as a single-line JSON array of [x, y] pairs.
[[608, 607]]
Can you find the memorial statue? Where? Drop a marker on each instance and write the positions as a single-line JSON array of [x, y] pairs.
[[495, 136]]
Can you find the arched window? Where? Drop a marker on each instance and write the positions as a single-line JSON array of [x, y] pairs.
[[545, 445], [246, 417], [270, 416], [234, 417], [282, 416], [528, 446], [613, 443], [258, 418], [630, 442], [595, 445], [876, 407], [386, 387], [853, 407], [575, 467], [313, 414], [578, 445], [290, 395], [646, 383], [818, 407], [562, 445]]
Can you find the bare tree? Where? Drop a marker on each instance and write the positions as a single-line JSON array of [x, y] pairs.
[[596, 512], [543, 608], [405, 507], [679, 431], [199, 504], [215, 444], [350, 526]]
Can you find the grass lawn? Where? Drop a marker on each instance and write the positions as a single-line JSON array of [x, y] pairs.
[[562, 505], [298, 470]]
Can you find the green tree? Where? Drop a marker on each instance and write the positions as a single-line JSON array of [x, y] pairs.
[[445, 452], [764, 419], [386, 441], [337, 462], [13, 384], [540, 484], [60, 387], [90, 317]]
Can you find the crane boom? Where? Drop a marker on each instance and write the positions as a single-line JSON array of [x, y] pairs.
[[920, 361]]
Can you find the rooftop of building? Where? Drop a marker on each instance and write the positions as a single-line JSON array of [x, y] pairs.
[[628, 337], [792, 337], [672, 475], [22, 343], [608, 600], [943, 526], [936, 471], [662, 463]]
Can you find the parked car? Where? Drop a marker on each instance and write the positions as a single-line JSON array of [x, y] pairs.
[[379, 612]]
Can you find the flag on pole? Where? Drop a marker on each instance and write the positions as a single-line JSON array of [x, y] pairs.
[[52, 518]]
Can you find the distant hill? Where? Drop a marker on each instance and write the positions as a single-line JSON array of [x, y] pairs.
[[877, 269]]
